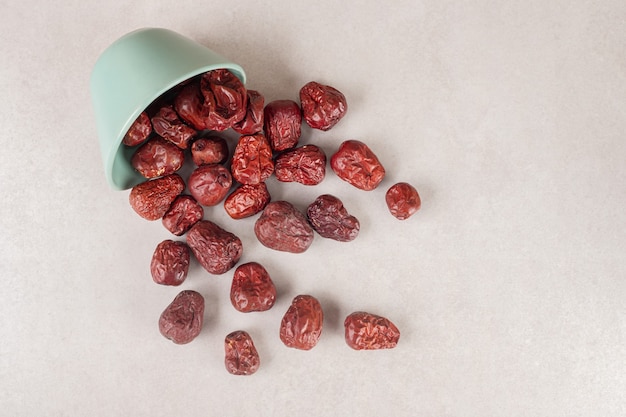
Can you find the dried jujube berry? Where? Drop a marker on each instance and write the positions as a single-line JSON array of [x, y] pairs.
[[282, 124], [365, 331], [355, 163], [331, 220], [181, 321], [252, 161], [253, 121], [139, 131], [247, 200], [157, 157], [182, 214], [168, 125], [241, 356], [216, 249], [170, 263], [209, 150], [152, 199], [225, 97], [189, 104], [402, 200], [282, 227], [305, 165], [301, 326], [322, 105], [209, 184], [252, 288]]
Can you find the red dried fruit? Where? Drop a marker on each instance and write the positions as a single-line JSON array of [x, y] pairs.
[[168, 125], [253, 121], [331, 220], [189, 104], [402, 200], [365, 331], [216, 249], [182, 214], [282, 227], [157, 157], [252, 288], [209, 184], [282, 123], [209, 150], [322, 105], [226, 98], [170, 263], [241, 356], [152, 199], [252, 160], [355, 163], [247, 200], [305, 165], [301, 326], [139, 131], [181, 321]]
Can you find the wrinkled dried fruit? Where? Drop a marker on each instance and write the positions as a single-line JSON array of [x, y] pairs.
[[189, 104], [168, 125], [301, 326], [365, 331], [282, 227], [306, 165], [226, 98], [216, 249], [253, 121], [241, 356], [170, 263], [402, 200], [152, 199], [209, 184], [209, 150], [247, 200], [157, 157], [182, 214], [322, 105], [252, 288], [355, 163], [331, 220], [181, 321], [282, 123], [139, 131], [252, 160]]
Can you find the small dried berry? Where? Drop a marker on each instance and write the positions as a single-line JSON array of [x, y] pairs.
[[182, 214], [181, 321], [247, 200], [301, 326], [168, 125], [209, 150], [322, 105], [170, 263], [241, 356], [402, 200], [209, 184], [139, 131], [252, 160], [331, 220], [216, 249], [152, 199], [253, 121], [365, 331], [305, 165], [282, 227], [355, 163], [252, 288], [283, 124], [157, 157]]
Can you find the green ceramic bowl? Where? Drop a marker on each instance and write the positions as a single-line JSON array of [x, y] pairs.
[[129, 75]]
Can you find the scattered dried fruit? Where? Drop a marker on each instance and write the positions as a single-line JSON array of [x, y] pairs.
[[182, 214], [305, 165], [282, 123], [322, 105], [157, 157], [152, 199], [301, 326], [241, 356], [181, 321], [282, 227], [355, 163], [252, 288], [331, 220], [402, 200], [139, 131], [170, 263], [247, 200], [365, 331], [216, 249], [209, 184]]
